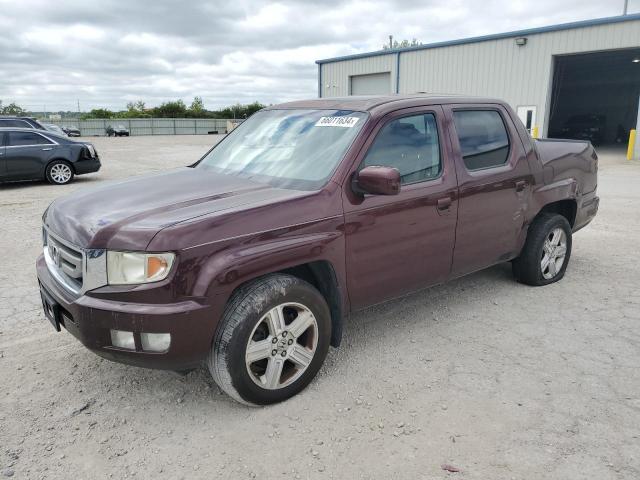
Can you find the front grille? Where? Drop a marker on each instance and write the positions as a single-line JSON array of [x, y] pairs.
[[76, 269], [65, 261]]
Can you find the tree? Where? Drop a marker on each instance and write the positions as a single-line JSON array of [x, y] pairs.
[[11, 109], [402, 44], [134, 110], [240, 111], [98, 113], [197, 107], [175, 109]]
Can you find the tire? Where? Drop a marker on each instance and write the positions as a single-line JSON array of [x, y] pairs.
[[251, 319], [59, 172], [548, 243]]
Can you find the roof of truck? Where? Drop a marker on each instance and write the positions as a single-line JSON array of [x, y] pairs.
[[383, 102]]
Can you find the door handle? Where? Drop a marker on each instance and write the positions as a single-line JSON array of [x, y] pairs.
[[443, 203], [47, 149], [521, 185]]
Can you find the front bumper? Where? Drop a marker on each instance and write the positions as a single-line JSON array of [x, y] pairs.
[[90, 319], [88, 165]]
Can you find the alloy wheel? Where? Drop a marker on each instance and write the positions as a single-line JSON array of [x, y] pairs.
[[60, 173], [554, 251], [281, 346]]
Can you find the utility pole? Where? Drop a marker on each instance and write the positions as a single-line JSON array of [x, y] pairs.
[[626, 7], [78, 106], [390, 41]]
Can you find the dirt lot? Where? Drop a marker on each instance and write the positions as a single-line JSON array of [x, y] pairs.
[[500, 380]]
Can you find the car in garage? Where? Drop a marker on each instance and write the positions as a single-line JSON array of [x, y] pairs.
[[250, 260], [20, 122], [27, 154], [117, 131], [584, 127]]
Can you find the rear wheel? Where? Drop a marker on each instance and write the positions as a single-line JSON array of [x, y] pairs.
[[272, 340], [59, 172], [546, 252]]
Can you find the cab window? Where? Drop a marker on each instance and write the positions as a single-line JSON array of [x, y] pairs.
[[483, 138], [409, 144]]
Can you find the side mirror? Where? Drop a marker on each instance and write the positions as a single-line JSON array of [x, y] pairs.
[[377, 181]]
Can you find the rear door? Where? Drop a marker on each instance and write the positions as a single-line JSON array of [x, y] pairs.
[[3, 163], [26, 154], [494, 186], [400, 243]]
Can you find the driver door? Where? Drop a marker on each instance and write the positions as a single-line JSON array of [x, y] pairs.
[[3, 163], [400, 243]]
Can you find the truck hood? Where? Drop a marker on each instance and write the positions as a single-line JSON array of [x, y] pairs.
[[127, 215]]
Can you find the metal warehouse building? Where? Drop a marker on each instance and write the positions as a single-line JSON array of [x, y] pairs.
[[561, 79]]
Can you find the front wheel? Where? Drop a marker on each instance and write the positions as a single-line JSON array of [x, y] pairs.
[[59, 172], [272, 340], [546, 252]]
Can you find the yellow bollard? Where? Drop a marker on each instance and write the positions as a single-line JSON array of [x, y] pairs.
[[632, 144], [534, 132]]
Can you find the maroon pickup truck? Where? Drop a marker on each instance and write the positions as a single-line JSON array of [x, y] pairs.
[[251, 259]]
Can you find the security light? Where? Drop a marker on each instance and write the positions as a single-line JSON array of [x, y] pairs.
[[520, 41], [636, 60]]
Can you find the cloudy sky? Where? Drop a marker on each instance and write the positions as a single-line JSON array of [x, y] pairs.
[[108, 52]]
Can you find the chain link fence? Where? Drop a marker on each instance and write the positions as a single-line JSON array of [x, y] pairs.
[[149, 126]]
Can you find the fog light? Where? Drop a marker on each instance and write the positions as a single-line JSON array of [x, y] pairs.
[[122, 339], [155, 342]]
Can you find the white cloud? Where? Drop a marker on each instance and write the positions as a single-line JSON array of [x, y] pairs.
[[110, 52]]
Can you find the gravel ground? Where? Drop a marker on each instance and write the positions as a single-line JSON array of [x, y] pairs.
[[496, 379]]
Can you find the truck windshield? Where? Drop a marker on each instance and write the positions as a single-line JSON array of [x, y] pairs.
[[287, 148]]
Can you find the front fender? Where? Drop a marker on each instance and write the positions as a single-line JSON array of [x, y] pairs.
[[225, 270]]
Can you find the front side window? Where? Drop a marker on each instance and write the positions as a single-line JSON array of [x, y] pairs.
[[409, 144], [17, 139], [293, 148], [483, 138]]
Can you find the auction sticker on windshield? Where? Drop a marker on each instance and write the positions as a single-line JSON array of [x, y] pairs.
[[346, 122]]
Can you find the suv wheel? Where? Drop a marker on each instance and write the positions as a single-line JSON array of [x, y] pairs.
[[546, 252], [59, 172], [272, 340]]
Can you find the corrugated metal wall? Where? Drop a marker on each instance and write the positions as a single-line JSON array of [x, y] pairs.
[[521, 75], [335, 76], [148, 126]]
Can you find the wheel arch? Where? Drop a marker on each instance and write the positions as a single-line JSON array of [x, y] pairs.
[[62, 159], [568, 208], [322, 275]]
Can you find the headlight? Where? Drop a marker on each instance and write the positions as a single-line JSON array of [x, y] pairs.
[[131, 268], [92, 150]]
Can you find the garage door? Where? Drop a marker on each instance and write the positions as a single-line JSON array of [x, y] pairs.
[[373, 84]]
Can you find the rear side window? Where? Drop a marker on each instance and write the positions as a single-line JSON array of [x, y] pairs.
[[409, 144], [17, 139], [483, 138], [14, 123]]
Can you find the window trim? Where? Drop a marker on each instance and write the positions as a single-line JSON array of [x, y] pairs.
[[53, 142], [399, 117], [507, 162]]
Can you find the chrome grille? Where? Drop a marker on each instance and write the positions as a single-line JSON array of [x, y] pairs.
[[76, 269], [65, 261], [66, 258]]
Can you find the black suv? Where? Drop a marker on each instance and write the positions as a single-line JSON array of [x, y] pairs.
[[20, 122]]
